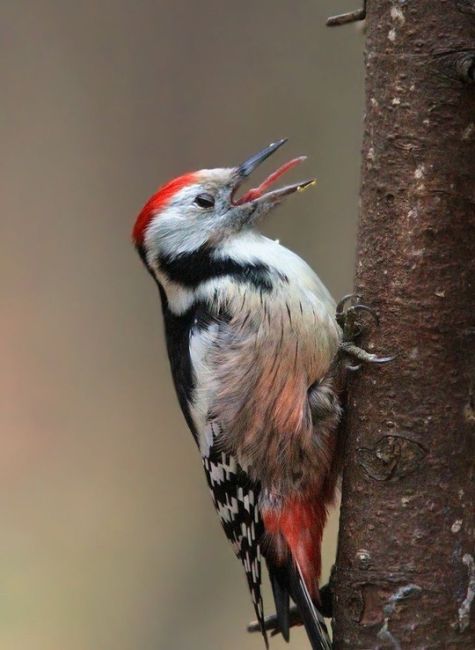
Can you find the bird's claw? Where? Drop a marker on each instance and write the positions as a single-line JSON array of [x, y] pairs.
[[352, 350], [346, 316], [380, 360], [341, 306], [271, 623], [361, 307]]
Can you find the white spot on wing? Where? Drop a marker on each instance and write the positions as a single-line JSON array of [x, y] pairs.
[[216, 474]]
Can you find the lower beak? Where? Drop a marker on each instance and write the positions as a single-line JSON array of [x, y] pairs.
[[258, 195]]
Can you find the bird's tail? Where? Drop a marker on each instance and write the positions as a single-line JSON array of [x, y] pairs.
[[296, 528], [288, 582], [311, 617], [294, 561]]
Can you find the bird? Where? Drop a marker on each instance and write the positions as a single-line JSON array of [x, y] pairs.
[[253, 339]]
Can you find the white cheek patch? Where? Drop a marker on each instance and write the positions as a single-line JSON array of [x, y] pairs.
[[182, 226], [171, 233]]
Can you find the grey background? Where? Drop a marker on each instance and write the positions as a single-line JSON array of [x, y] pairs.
[[108, 538]]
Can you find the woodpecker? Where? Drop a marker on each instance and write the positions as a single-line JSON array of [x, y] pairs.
[[253, 338]]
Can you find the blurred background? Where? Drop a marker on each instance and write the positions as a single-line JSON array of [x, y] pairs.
[[108, 539]]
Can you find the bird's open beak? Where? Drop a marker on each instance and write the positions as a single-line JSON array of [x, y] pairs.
[[258, 196]]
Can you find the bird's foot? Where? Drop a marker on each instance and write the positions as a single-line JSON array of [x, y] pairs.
[[348, 316], [271, 623], [347, 311]]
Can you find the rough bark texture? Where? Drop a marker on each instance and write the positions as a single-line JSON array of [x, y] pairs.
[[405, 574]]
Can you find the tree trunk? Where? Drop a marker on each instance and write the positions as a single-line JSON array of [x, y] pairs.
[[405, 575]]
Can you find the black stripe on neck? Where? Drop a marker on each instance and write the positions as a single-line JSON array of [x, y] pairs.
[[191, 269]]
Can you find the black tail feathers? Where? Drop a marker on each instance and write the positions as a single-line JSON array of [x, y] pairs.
[[288, 581], [280, 590]]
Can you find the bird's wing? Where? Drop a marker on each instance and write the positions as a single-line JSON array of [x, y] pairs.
[[235, 498]]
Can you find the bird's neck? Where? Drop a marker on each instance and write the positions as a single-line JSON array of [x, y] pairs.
[[206, 273]]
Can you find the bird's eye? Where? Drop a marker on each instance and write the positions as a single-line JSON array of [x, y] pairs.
[[204, 200]]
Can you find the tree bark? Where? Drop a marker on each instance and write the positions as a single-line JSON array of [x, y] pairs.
[[405, 572]]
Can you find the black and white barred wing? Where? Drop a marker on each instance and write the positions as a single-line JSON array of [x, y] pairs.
[[235, 498]]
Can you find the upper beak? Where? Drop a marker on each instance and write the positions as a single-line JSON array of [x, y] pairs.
[[258, 195], [249, 165]]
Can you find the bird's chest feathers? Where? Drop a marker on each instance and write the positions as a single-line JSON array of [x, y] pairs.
[[253, 372]]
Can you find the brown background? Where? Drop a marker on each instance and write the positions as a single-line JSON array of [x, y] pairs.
[[108, 539]]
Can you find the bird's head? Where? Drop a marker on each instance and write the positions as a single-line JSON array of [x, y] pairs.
[[202, 208]]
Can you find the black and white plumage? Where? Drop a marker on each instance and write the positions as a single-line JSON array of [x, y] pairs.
[[251, 338], [236, 499]]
